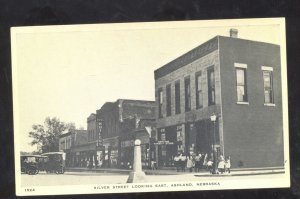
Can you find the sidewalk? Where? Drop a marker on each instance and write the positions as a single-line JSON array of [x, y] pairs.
[[202, 173]]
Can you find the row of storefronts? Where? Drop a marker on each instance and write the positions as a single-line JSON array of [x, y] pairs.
[[110, 135], [116, 152], [158, 145]]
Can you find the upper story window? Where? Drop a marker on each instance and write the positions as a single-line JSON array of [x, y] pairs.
[[241, 83], [160, 103], [177, 97], [187, 91], [268, 85], [199, 94], [211, 86], [168, 100]]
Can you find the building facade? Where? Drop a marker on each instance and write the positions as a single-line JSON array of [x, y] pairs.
[[236, 80], [79, 149], [115, 119], [137, 128], [65, 144], [68, 143]]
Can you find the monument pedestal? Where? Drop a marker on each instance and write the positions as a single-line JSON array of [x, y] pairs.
[[136, 177]]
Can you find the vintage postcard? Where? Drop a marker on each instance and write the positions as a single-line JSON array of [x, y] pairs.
[[148, 107]]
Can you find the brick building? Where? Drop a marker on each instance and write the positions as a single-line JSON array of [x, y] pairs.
[[69, 142], [238, 81], [133, 128], [79, 148], [110, 130]]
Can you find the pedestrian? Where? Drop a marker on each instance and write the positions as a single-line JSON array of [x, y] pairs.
[[106, 160], [201, 161], [205, 160], [221, 164], [210, 165], [183, 162], [87, 163], [176, 162], [197, 162], [153, 164], [129, 165], [227, 164], [189, 163]]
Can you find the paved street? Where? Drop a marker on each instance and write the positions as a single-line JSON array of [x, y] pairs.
[[85, 178]]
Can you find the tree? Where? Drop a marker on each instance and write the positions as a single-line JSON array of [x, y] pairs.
[[46, 136]]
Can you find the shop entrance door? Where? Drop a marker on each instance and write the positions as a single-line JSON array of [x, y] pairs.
[[204, 139]]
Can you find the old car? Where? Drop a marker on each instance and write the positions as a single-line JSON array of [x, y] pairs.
[[55, 162], [30, 164]]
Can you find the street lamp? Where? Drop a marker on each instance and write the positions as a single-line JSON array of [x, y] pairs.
[[213, 118]]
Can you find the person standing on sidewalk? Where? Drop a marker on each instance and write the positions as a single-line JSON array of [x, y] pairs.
[[205, 160], [201, 161], [153, 165], [176, 162], [197, 162], [182, 159], [221, 165], [189, 163], [227, 164]]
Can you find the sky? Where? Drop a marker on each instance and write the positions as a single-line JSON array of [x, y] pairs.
[[71, 71]]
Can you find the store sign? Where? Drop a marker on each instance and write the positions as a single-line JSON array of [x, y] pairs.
[[179, 133], [99, 127], [127, 143], [163, 137], [167, 142]]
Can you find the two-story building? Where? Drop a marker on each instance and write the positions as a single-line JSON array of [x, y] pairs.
[[68, 143], [111, 119], [236, 80], [137, 128]]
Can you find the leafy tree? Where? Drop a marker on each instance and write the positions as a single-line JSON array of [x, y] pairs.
[[46, 136]]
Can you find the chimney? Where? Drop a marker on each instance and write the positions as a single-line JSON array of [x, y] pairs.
[[233, 33]]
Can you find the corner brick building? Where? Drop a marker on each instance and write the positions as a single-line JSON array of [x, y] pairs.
[[237, 80]]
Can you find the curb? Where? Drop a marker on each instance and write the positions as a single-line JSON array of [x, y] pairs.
[[166, 172], [242, 174]]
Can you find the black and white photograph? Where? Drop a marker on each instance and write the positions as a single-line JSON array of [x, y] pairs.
[[150, 106]]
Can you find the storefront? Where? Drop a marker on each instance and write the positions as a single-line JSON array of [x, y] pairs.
[[188, 138], [84, 155], [127, 148], [171, 141], [111, 157]]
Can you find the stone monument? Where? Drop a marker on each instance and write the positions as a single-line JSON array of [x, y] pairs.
[[137, 175]]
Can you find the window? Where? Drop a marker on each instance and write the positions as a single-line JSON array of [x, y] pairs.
[[199, 98], [160, 103], [187, 89], [241, 85], [211, 86], [268, 85], [177, 97], [168, 100]]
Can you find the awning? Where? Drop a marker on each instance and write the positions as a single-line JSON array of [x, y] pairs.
[[79, 148]]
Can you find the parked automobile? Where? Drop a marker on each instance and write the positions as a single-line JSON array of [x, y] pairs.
[[30, 164], [55, 162]]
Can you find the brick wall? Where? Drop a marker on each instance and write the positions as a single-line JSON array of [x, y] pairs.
[[201, 64], [253, 133]]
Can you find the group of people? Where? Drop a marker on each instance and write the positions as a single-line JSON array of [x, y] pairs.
[[201, 161]]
